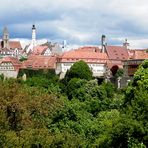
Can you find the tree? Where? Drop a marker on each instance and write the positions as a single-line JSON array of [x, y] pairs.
[[23, 59], [73, 87], [110, 89], [2, 77], [80, 70], [24, 112], [119, 73], [136, 101]]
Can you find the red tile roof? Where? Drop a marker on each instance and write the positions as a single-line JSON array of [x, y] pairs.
[[117, 53], [89, 57], [15, 62], [13, 44], [5, 50], [138, 54], [40, 62], [38, 50], [89, 49]]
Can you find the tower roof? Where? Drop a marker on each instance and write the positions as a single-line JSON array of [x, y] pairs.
[[5, 31], [33, 26]]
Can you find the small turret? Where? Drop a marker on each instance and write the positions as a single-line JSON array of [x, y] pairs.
[[126, 44]]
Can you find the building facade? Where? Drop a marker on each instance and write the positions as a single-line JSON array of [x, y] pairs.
[[9, 67], [96, 61], [8, 47], [136, 57]]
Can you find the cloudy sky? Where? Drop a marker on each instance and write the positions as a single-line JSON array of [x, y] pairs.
[[79, 22]]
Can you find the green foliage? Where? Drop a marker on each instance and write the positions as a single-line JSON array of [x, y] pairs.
[[110, 89], [119, 73], [73, 86], [24, 111], [23, 59], [79, 70], [1, 77], [36, 113], [49, 74], [141, 76], [136, 100]]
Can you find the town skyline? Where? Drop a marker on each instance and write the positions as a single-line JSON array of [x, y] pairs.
[[78, 22]]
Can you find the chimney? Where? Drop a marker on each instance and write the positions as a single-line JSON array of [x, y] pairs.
[[103, 43]]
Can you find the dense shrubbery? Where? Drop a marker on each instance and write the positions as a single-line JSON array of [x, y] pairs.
[[75, 112], [79, 70]]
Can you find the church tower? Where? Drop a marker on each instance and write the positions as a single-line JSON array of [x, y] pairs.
[[5, 38], [33, 41], [33, 36]]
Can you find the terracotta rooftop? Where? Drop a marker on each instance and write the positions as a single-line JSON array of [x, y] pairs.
[[76, 55], [16, 63], [13, 44], [117, 53], [138, 54], [40, 62], [4, 50], [38, 50], [89, 49]]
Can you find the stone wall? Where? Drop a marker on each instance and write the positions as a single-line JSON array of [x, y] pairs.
[[123, 81]]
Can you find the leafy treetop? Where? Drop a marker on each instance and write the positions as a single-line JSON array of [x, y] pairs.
[[80, 70]]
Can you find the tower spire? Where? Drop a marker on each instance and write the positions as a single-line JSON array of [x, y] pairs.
[[33, 41], [33, 35], [6, 38]]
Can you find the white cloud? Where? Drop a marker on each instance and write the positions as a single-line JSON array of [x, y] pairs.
[[81, 21]]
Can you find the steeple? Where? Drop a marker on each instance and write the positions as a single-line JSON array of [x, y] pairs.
[[33, 41], [5, 38], [33, 35]]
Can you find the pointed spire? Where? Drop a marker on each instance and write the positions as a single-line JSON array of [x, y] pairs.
[[33, 35], [5, 31], [5, 38], [33, 26], [33, 41]]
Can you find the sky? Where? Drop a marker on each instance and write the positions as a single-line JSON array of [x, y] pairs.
[[79, 22]]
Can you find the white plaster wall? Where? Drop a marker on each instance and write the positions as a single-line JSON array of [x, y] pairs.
[[97, 69], [66, 66], [9, 74], [58, 69]]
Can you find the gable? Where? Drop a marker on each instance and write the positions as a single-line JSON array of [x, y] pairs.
[[47, 52]]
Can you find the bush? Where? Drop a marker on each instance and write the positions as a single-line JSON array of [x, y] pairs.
[[79, 70]]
